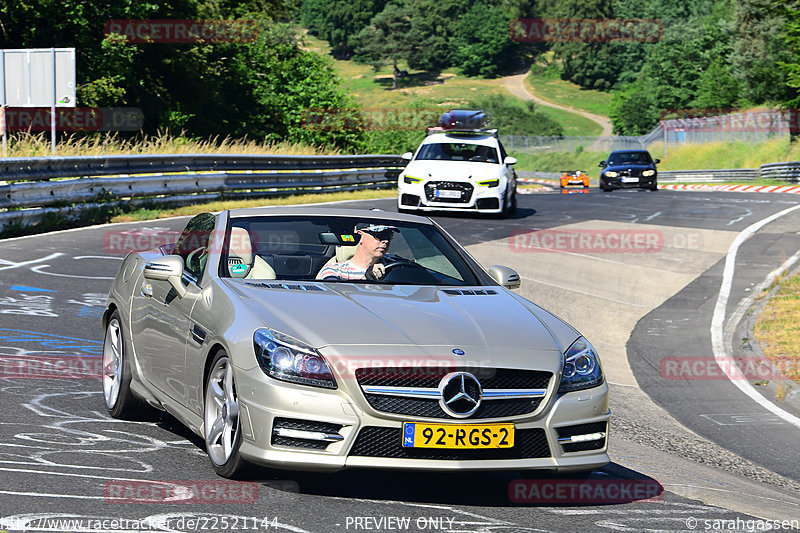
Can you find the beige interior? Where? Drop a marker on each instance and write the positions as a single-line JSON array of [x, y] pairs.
[[242, 248]]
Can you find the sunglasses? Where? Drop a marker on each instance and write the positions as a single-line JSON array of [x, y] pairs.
[[382, 235]]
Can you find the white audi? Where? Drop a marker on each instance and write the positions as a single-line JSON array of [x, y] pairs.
[[459, 171]]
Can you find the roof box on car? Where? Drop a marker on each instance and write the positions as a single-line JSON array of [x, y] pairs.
[[463, 121]]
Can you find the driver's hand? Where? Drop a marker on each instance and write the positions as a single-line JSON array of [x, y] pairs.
[[378, 270]]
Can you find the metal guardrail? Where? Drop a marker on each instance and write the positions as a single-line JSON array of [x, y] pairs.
[[782, 171], [33, 187], [775, 171], [689, 176]]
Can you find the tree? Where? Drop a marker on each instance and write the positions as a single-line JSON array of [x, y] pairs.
[[339, 21], [789, 63], [482, 42], [257, 89], [386, 39]]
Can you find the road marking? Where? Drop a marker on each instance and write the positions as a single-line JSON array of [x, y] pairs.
[[718, 319], [38, 270], [742, 419], [10, 264]]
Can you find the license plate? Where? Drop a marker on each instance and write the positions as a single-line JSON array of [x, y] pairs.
[[630, 180], [447, 194], [460, 436]]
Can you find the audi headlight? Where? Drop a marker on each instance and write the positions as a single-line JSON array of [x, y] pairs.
[[489, 183], [411, 179], [581, 367], [288, 359], [612, 174], [648, 173]]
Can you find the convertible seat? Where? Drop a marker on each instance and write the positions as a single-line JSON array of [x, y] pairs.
[[241, 252], [342, 254]]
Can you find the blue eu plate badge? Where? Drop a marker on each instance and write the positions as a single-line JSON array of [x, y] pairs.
[[408, 435]]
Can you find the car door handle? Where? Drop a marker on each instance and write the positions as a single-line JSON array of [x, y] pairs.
[[147, 290]]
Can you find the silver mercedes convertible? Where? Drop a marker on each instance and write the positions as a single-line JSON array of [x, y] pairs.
[[319, 339]]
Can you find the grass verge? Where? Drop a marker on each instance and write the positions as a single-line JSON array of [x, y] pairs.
[[558, 91], [725, 155], [777, 328], [107, 143]]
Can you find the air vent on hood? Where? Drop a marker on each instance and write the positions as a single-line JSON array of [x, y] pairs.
[[469, 292], [286, 286]]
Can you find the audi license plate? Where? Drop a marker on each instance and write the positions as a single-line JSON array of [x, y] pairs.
[[460, 436], [630, 180], [447, 193]]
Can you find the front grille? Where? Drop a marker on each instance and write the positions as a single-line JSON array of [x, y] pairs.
[[303, 425], [387, 442], [432, 409], [489, 378], [465, 188], [583, 429]]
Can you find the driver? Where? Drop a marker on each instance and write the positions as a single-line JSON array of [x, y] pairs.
[[365, 263]]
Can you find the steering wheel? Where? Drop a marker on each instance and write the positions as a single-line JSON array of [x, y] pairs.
[[394, 264]]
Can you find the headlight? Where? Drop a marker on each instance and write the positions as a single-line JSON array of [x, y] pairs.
[[288, 359], [612, 174], [648, 173], [411, 179], [489, 183], [581, 367]]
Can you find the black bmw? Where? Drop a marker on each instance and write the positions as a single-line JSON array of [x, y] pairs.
[[629, 168]]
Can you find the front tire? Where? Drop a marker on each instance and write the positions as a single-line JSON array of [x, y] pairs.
[[120, 400], [512, 208], [222, 429]]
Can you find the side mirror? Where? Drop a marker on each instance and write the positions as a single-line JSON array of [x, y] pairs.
[[407, 156], [169, 269], [510, 160], [505, 276], [602, 164], [657, 161]]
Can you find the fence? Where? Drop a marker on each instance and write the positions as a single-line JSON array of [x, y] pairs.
[[731, 126], [536, 144]]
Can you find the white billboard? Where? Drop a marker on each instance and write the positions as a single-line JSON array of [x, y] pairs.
[[29, 77]]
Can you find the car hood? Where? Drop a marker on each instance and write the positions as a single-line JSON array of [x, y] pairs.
[[371, 315], [457, 170], [617, 168]]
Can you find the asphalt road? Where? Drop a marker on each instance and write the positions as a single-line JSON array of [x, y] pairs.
[[62, 457]]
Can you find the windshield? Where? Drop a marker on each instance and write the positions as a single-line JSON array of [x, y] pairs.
[[299, 247], [629, 158], [458, 152]]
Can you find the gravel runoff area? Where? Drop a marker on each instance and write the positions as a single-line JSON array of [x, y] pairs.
[[636, 418]]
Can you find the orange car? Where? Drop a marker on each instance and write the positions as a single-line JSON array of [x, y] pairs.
[[576, 177]]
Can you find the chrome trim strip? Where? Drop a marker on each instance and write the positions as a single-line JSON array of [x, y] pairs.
[[504, 394], [307, 435], [488, 394], [406, 392], [157, 267]]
